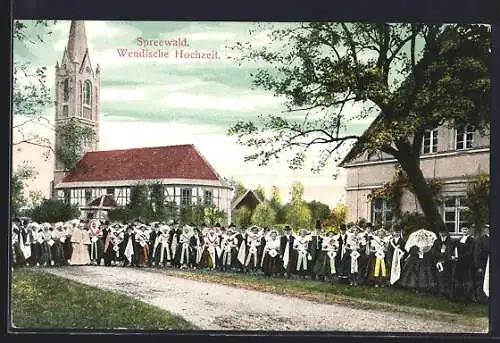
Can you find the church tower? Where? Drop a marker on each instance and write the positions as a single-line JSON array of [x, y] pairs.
[[77, 88]]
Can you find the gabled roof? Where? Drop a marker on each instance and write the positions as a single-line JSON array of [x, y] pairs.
[[359, 147], [243, 196], [107, 200], [167, 162]]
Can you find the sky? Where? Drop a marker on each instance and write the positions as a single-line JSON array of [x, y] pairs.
[[168, 101]]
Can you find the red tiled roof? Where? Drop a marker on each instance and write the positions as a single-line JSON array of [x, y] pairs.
[[167, 162]]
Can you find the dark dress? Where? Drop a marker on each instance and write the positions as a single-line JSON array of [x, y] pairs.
[[272, 262], [417, 271], [284, 242], [324, 261], [481, 253], [442, 251], [463, 278]]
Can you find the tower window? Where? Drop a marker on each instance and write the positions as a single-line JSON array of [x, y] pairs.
[[66, 90], [81, 97], [87, 93], [65, 110]]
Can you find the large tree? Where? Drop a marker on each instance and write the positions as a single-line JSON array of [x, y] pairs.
[[298, 214], [414, 76], [31, 94], [24, 173], [264, 215]]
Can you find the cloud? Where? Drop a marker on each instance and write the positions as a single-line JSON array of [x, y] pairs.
[[150, 102]]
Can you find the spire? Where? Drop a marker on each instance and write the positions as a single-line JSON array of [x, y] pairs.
[[77, 41]]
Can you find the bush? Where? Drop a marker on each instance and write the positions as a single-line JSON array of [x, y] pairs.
[[412, 222], [52, 211]]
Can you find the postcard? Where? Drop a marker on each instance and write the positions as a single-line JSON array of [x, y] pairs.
[[241, 176]]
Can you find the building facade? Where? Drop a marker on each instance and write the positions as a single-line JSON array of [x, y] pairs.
[[187, 177], [449, 155]]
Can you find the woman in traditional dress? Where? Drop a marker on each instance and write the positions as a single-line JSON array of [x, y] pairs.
[[229, 247], [59, 237], [395, 252], [377, 271], [46, 242], [162, 250], [301, 245], [109, 244], [17, 257], [325, 261], [353, 247], [184, 251], [34, 233], [67, 245], [141, 238], [96, 244], [253, 248], [417, 273], [128, 248], [196, 243], [80, 241], [272, 263], [209, 256]]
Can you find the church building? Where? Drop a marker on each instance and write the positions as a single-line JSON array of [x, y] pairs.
[[102, 180]]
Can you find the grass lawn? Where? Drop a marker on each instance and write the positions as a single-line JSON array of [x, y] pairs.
[[389, 299], [42, 301]]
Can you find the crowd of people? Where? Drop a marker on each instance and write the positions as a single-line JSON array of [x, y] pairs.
[[457, 269]]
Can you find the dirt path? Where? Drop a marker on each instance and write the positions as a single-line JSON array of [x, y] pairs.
[[218, 307]]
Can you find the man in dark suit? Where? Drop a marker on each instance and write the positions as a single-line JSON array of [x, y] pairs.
[[286, 245]]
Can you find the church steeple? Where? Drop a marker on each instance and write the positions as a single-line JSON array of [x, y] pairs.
[[77, 41], [77, 88]]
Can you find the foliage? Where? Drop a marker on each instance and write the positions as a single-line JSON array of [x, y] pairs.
[[214, 215], [73, 135], [66, 304], [24, 173], [336, 218], [243, 217], [261, 192], [413, 221], [264, 215], [298, 214], [277, 205], [478, 200], [319, 211], [30, 94], [415, 76], [158, 210], [394, 190], [52, 211], [238, 188]]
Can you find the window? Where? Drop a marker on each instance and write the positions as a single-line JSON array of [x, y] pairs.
[[87, 93], [67, 196], [88, 196], [464, 137], [65, 110], [110, 190], [186, 196], [207, 197], [430, 141], [381, 211], [81, 97], [66, 90], [454, 214]]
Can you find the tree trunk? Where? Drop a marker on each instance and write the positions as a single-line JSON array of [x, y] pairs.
[[423, 193]]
